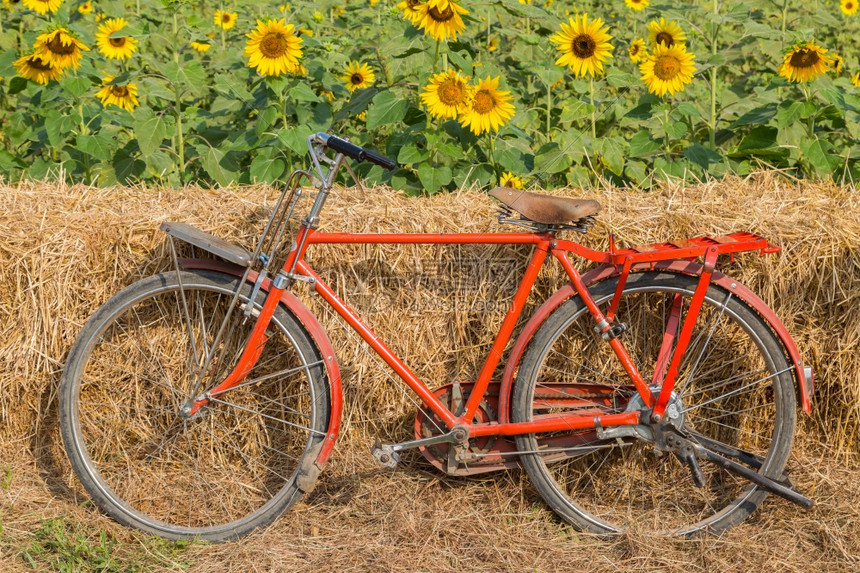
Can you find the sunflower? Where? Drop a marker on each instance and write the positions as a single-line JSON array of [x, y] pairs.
[[804, 62], [489, 108], [34, 68], [224, 19], [329, 95], [637, 5], [201, 46], [43, 6], [637, 51], [411, 10], [115, 48], [85, 8], [855, 80], [118, 95], [357, 76], [849, 7], [666, 33], [10, 4], [584, 45], [447, 95], [441, 19], [60, 49], [667, 69], [273, 48], [512, 181]]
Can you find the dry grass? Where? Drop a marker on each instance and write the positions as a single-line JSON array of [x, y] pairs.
[[64, 251]]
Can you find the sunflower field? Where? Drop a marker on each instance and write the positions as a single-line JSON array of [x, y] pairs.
[[520, 92]]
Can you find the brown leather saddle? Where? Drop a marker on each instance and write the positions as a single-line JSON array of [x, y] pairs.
[[544, 209]]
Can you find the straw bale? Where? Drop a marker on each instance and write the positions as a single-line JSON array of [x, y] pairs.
[[65, 250]]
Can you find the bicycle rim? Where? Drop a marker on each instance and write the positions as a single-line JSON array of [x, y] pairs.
[[734, 387], [228, 469]]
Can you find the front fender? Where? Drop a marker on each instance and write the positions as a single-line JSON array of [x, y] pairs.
[[320, 338], [805, 387]]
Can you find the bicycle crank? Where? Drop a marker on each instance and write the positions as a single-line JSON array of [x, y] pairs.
[[387, 454]]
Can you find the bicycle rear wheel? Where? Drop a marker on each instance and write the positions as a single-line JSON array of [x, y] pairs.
[[228, 469], [734, 389]]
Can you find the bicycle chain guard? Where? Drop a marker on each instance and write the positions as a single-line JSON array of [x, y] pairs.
[[493, 453]]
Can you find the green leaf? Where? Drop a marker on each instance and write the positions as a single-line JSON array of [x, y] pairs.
[[480, 174], [54, 128], [296, 139], [819, 155], [760, 141], [613, 154], [150, 133], [97, 145], [303, 92], [76, 86], [267, 169], [676, 129], [642, 144], [434, 178], [701, 155], [159, 163], [637, 171], [758, 116], [219, 166], [386, 109], [410, 153], [190, 73], [551, 159]]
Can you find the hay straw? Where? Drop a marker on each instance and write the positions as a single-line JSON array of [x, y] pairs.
[[65, 250]]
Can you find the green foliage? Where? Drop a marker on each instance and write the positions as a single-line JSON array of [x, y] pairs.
[[59, 545], [208, 117]]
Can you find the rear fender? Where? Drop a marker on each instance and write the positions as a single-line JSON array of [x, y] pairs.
[[805, 387], [309, 470]]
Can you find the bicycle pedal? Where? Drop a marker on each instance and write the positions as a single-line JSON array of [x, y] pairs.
[[385, 455]]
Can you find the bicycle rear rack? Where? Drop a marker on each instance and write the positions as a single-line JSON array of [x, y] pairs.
[[693, 248]]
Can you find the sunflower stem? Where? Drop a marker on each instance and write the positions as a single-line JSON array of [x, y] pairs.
[[445, 61], [180, 142], [712, 136], [436, 55], [593, 109], [666, 132], [492, 157], [548, 107]]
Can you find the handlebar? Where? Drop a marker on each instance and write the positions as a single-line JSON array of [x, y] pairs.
[[356, 152]]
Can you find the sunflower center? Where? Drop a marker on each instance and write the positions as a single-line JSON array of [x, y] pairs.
[[667, 67], [484, 102], [634, 49], [451, 92], [117, 42], [119, 91], [356, 79], [804, 58], [413, 4], [37, 64], [665, 38], [442, 16], [226, 18], [583, 46], [56, 46], [273, 45]]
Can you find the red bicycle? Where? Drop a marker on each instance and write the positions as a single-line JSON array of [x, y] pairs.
[[652, 391]]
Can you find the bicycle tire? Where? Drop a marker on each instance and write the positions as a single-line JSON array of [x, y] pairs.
[[735, 386], [215, 476]]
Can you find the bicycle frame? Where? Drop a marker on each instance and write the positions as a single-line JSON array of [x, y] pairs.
[[654, 394]]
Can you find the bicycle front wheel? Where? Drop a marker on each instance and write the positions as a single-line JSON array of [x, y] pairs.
[[734, 390], [222, 472]]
